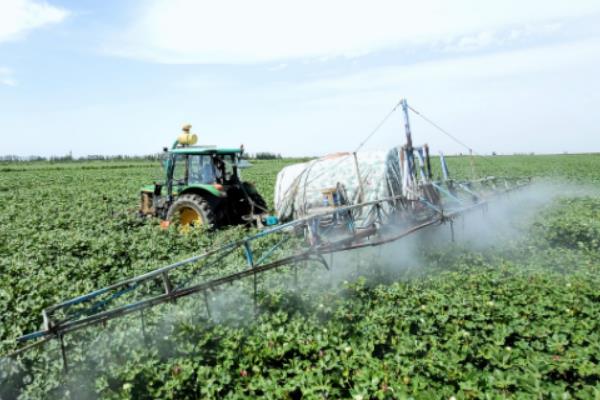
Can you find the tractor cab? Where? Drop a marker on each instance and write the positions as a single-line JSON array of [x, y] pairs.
[[202, 186], [199, 166]]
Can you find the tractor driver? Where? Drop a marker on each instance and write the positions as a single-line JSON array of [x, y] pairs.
[[212, 171], [219, 167]]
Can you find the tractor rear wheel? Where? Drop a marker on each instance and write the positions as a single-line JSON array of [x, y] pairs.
[[191, 209]]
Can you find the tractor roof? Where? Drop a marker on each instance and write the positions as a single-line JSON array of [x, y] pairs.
[[204, 150]]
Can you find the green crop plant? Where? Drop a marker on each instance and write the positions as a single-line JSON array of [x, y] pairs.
[[514, 320]]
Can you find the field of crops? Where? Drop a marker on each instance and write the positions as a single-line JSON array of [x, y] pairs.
[[513, 316]]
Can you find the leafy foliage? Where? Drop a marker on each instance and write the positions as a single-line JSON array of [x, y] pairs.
[[519, 321]]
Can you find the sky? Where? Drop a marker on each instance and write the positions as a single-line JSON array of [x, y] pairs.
[[300, 78]]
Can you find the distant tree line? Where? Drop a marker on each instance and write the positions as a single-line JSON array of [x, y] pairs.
[[119, 157], [265, 156], [92, 157]]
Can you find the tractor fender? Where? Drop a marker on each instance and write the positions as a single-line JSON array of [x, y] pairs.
[[250, 188], [204, 190], [213, 197]]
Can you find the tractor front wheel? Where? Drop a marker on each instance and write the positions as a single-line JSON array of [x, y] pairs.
[[191, 209]]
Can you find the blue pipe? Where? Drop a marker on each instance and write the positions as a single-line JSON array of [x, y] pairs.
[[441, 189], [249, 255]]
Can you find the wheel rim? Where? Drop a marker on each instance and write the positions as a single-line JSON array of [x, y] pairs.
[[189, 216]]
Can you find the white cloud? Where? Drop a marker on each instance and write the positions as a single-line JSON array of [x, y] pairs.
[[18, 17], [230, 31], [472, 69], [474, 42], [485, 39], [6, 77]]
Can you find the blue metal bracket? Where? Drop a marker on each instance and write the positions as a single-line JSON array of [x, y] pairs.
[[249, 255], [444, 167], [446, 192], [428, 204]]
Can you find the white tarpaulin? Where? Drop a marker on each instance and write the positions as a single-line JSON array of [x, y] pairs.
[[299, 187]]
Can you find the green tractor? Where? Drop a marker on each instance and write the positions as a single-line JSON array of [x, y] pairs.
[[203, 187]]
